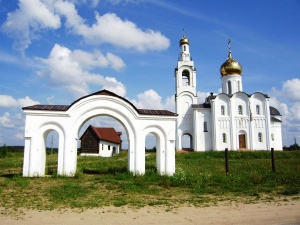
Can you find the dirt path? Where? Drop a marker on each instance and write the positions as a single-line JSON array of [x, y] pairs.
[[287, 213]]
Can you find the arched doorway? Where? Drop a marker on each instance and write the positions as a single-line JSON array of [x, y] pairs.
[[187, 141], [242, 140]]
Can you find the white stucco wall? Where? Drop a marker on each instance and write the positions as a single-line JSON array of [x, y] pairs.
[[68, 124]]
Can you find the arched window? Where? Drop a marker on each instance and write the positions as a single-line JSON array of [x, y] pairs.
[[205, 127], [224, 137], [185, 78], [259, 137], [240, 110], [239, 86], [184, 48], [257, 109], [223, 110], [229, 88]]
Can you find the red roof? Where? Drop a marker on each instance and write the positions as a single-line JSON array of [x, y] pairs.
[[106, 134]]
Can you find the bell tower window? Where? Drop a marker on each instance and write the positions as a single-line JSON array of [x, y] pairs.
[[186, 78]]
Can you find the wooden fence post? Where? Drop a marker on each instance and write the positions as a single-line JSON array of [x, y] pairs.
[[226, 161], [273, 160]]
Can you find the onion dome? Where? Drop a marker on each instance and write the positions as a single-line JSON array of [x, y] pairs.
[[183, 41], [230, 66]]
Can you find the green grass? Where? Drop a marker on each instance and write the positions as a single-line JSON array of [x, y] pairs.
[[200, 179]]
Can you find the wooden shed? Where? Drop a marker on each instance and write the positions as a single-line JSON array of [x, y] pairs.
[[100, 141]]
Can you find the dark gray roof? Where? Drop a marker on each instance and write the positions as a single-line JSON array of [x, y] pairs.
[[274, 111], [273, 119], [102, 92], [201, 106]]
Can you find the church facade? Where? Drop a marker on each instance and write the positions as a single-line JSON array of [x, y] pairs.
[[232, 119]]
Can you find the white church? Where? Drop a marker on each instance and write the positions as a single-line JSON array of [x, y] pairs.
[[232, 119]]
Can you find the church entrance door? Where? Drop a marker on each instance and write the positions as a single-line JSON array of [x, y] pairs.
[[242, 141]]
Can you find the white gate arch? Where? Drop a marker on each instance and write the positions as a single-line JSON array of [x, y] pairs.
[[68, 119]]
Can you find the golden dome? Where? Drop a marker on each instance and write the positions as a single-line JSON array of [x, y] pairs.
[[184, 40], [230, 66]]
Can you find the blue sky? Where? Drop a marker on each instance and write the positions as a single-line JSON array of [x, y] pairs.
[[53, 52]]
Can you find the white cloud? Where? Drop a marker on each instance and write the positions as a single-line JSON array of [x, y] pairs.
[[50, 100], [111, 29], [69, 69], [24, 23], [9, 102], [148, 100], [291, 89], [295, 109], [5, 121], [202, 96], [286, 100], [115, 61], [19, 136], [151, 100], [27, 102]]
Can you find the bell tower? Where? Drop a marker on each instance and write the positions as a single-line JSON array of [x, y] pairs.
[[186, 94]]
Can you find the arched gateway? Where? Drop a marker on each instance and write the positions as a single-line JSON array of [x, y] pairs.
[[68, 119]]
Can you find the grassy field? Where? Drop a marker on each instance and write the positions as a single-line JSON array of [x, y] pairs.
[[200, 179]]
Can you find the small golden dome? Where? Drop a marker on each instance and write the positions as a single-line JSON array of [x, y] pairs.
[[184, 40], [230, 66]]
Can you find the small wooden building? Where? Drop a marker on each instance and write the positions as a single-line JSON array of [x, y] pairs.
[[100, 141]]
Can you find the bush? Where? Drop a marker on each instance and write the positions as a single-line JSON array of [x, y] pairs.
[[3, 151]]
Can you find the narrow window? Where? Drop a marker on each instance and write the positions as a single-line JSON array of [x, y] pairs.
[[224, 137], [223, 110], [240, 110], [205, 127], [239, 86], [257, 109], [229, 87], [102, 146], [184, 48], [259, 137], [108, 147], [272, 137]]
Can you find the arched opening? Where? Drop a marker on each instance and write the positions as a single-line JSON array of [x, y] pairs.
[[51, 139], [155, 161], [97, 140], [186, 78], [106, 138], [187, 141], [151, 152]]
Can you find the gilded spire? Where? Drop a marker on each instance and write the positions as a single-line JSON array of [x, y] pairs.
[[230, 66]]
